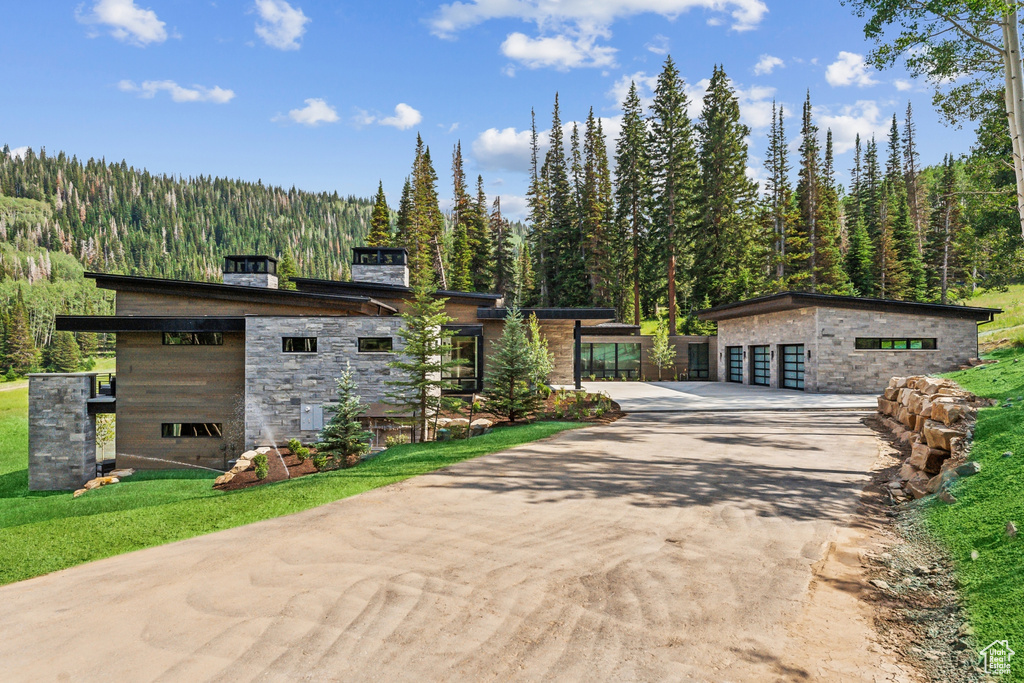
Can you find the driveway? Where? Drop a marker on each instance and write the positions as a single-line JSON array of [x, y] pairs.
[[675, 397], [661, 547]]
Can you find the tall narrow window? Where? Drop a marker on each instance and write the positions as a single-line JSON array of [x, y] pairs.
[[298, 344]]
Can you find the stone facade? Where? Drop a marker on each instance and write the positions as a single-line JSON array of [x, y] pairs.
[[264, 280], [832, 364], [380, 274], [61, 432], [280, 387]]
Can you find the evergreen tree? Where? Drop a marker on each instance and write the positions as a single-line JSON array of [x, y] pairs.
[[912, 178], [830, 276], [778, 190], [941, 253], [425, 359], [808, 194], [380, 221], [343, 439], [484, 256], [905, 239], [542, 361], [526, 278], [403, 223], [504, 251], [724, 269], [674, 181], [460, 259], [87, 344], [21, 350], [566, 274], [603, 258], [64, 355], [538, 199], [871, 192], [859, 253], [510, 370], [286, 270], [631, 198]]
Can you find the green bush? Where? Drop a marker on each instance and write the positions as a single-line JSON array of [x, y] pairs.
[[260, 463], [301, 453], [294, 445], [321, 462]]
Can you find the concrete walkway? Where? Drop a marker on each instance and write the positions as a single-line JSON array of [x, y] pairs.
[[680, 397], [669, 547]]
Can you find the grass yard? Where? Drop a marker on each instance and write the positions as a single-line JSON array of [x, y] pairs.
[[992, 585], [44, 532], [1010, 324]]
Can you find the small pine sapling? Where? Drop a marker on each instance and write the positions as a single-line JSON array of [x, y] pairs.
[[542, 360], [343, 439], [510, 371]]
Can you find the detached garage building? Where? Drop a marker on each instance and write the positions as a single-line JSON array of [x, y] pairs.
[[838, 344]]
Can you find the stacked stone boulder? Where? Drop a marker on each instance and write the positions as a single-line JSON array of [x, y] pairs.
[[935, 418]]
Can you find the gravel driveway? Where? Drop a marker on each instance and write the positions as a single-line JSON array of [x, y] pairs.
[[661, 547]]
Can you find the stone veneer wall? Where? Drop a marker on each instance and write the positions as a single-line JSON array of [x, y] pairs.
[[277, 384], [782, 327], [61, 432], [380, 275], [842, 368], [262, 280]]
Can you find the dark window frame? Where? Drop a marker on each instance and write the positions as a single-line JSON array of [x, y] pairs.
[[289, 345], [587, 361], [761, 365], [788, 362], [896, 344], [192, 430], [698, 352], [194, 338], [390, 340], [734, 364]]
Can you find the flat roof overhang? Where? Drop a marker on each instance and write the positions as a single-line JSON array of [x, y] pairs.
[[607, 314], [361, 305], [145, 323], [789, 301], [386, 291], [610, 330]]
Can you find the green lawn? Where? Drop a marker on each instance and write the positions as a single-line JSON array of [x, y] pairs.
[[1011, 322], [44, 532], [992, 585]]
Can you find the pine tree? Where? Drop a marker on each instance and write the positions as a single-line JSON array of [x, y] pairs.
[[724, 269], [859, 251], [87, 344], [461, 256], [526, 278], [510, 370], [942, 257], [425, 359], [566, 273], [542, 361], [632, 173], [830, 274], [912, 178], [871, 192], [504, 251], [483, 248], [21, 350], [778, 190], [63, 353], [286, 270], [403, 223], [674, 180], [380, 221], [600, 238], [808, 193], [343, 439], [905, 239], [538, 199]]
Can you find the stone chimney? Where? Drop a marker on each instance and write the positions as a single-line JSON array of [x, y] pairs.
[[380, 266], [251, 271]]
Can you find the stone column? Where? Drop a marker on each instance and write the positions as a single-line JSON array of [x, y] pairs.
[[61, 432]]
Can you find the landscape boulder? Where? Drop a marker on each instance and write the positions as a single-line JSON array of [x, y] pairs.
[[939, 435], [224, 478], [941, 480], [926, 458], [968, 469], [480, 426]]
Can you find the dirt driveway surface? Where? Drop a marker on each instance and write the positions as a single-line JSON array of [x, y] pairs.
[[672, 547]]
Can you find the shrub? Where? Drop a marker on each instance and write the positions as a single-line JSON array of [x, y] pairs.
[[11, 375], [294, 445], [343, 439], [396, 440], [321, 462], [260, 463], [301, 453]]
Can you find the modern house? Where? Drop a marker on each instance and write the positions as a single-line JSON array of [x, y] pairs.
[[840, 344], [207, 370]]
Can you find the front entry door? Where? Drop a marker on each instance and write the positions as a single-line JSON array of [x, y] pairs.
[[792, 366], [700, 361], [760, 366]]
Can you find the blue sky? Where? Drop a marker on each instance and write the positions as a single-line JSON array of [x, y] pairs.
[[330, 95]]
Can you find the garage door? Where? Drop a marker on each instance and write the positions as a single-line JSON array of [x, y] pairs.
[[760, 365], [793, 366], [734, 363]]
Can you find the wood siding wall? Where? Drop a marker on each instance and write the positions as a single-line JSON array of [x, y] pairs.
[[157, 384], [144, 303]]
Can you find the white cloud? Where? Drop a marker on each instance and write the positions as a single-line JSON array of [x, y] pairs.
[[903, 85], [644, 87], [849, 69], [658, 45], [126, 21], [19, 152], [315, 112], [282, 26], [508, 149], [756, 106], [560, 52], [405, 117], [767, 64], [513, 206], [864, 117], [196, 93]]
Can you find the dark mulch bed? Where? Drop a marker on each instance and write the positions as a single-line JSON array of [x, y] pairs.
[[277, 471], [547, 414]]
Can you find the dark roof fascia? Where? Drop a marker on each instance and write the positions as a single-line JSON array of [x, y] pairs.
[[550, 313], [788, 301], [216, 290], [146, 323], [384, 290], [611, 330]]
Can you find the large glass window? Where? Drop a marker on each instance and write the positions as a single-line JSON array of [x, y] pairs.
[[610, 360], [700, 361], [896, 344], [298, 344], [193, 338], [466, 375]]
